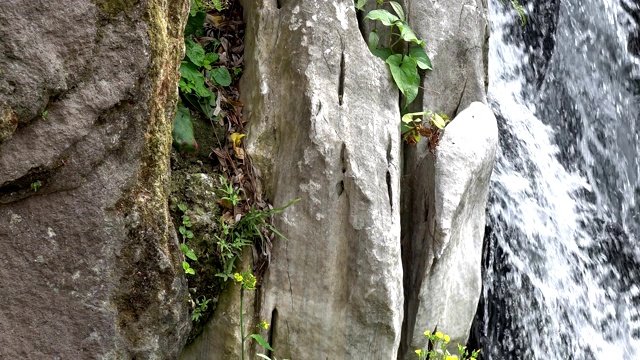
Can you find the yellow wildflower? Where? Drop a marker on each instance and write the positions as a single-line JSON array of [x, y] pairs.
[[238, 277], [447, 338], [419, 352], [264, 324], [439, 335], [427, 333], [451, 357]]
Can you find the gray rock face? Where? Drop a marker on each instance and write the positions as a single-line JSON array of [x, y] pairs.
[[446, 249], [324, 128], [90, 267], [438, 289], [455, 33]]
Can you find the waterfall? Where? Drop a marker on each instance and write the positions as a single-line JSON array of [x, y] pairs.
[[561, 264]]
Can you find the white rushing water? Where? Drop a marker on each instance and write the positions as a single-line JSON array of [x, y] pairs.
[[562, 263]]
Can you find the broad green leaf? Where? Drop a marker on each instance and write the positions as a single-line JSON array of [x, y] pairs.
[[195, 23], [420, 56], [209, 58], [407, 34], [194, 51], [385, 17], [194, 7], [438, 121], [398, 9], [382, 53], [182, 207], [187, 269], [360, 4], [221, 76], [261, 341], [194, 78], [408, 118], [188, 252], [183, 139], [405, 74], [374, 39]]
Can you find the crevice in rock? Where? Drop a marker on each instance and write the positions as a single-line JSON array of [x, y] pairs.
[[412, 232], [341, 79], [389, 158], [360, 18], [464, 87], [272, 331], [23, 187], [279, 4], [390, 190], [343, 152], [340, 187]]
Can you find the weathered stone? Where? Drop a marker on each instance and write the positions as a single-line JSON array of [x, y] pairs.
[[220, 338], [455, 33], [90, 266], [324, 127], [444, 260]]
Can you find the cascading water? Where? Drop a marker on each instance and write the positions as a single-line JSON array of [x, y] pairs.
[[561, 260]]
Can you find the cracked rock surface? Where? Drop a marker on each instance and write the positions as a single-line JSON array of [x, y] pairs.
[[89, 267]]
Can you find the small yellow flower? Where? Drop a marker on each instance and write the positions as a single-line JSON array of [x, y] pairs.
[[447, 338], [451, 357], [439, 335], [419, 352], [427, 333], [264, 324], [238, 277]]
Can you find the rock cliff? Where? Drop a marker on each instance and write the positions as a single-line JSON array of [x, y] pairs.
[[90, 265]]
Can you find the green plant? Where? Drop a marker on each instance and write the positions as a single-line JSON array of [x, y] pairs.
[[437, 349], [403, 65], [413, 127], [201, 306], [186, 233], [198, 75], [35, 186], [248, 281], [231, 195], [44, 114], [519, 9], [234, 237], [405, 69]]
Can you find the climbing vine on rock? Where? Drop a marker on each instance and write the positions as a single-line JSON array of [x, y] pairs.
[[405, 67]]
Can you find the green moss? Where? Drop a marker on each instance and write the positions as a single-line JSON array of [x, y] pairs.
[[8, 123], [114, 7]]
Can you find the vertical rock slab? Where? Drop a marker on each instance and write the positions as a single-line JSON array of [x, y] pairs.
[[438, 245], [89, 267], [447, 248], [324, 128]]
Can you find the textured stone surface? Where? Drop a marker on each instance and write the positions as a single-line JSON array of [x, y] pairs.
[[324, 128], [455, 34], [446, 249], [89, 267]]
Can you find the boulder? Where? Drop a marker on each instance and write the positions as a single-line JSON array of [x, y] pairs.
[[456, 36], [90, 263], [443, 253]]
